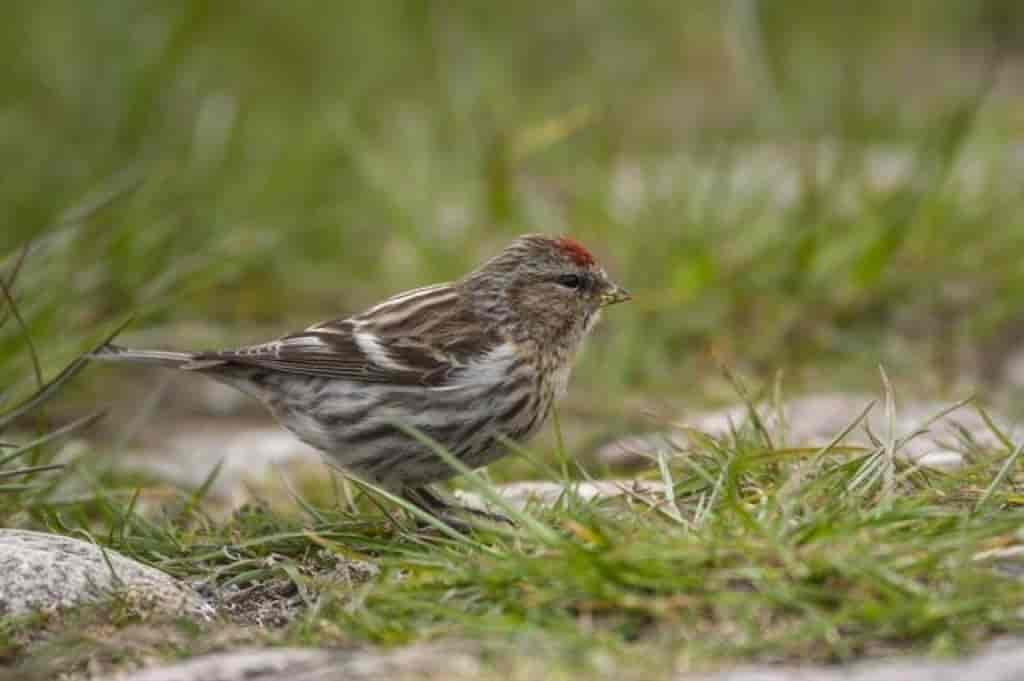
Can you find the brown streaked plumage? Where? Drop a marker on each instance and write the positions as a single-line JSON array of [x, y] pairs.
[[467, 363]]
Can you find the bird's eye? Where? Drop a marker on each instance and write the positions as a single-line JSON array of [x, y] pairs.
[[571, 280]]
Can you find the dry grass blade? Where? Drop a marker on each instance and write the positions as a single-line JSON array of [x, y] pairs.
[[28, 470], [779, 405], [869, 472], [716, 492], [670, 495], [889, 451], [794, 482], [43, 394], [15, 271], [748, 402], [48, 390], [1001, 476], [930, 421], [994, 429], [860, 418], [53, 435], [33, 354]]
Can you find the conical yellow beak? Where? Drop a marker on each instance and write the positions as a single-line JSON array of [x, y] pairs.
[[615, 294]]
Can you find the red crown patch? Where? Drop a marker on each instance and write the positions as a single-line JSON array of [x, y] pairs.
[[575, 250]]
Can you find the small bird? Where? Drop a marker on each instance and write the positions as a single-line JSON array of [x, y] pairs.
[[470, 364]]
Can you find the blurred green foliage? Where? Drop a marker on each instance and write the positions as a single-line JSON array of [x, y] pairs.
[[782, 183], [811, 186]]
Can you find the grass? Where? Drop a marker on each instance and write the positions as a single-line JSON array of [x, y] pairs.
[[770, 554], [786, 187]]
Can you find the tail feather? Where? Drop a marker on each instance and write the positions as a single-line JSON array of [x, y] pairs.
[[161, 358]]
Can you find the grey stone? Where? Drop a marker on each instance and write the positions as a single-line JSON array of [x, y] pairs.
[[298, 664], [1007, 560], [942, 460], [48, 572], [246, 664], [1000, 662], [815, 420], [1003, 662], [250, 454], [1013, 369], [519, 494]]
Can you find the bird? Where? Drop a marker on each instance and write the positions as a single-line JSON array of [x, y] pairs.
[[472, 364]]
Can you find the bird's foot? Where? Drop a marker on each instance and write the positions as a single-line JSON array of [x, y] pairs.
[[454, 515]]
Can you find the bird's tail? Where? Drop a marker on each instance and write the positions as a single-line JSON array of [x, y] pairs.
[[156, 358]]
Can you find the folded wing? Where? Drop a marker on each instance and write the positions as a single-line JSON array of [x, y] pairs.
[[418, 338]]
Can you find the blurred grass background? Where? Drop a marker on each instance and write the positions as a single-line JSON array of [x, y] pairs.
[[812, 187], [809, 186]]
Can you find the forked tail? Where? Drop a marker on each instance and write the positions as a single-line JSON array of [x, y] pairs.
[[158, 358]]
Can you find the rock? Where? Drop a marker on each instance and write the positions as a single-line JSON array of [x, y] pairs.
[[640, 450], [1004, 662], [1013, 369], [298, 664], [248, 454], [1000, 662], [1008, 560], [47, 572], [814, 420], [241, 665], [519, 494], [942, 460], [261, 454]]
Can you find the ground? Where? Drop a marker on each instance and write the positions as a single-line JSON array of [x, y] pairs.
[[796, 195]]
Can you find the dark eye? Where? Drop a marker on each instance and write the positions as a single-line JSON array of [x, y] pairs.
[[571, 280]]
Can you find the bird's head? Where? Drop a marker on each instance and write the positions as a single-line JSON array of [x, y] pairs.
[[547, 289]]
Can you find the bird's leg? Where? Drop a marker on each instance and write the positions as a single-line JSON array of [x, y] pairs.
[[426, 499]]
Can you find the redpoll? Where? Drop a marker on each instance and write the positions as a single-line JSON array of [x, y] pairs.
[[467, 363]]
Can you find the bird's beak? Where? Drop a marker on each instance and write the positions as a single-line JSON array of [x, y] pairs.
[[614, 294]]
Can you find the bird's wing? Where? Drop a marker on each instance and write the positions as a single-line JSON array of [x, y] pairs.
[[418, 338]]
